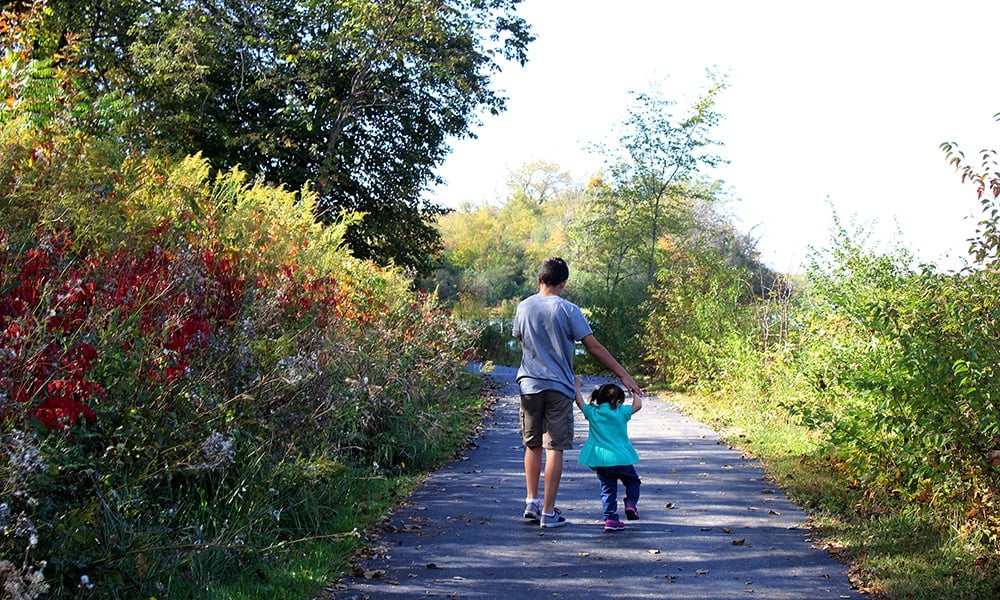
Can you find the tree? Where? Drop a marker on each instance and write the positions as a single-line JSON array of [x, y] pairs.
[[651, 178], [480, 255], [356, 98], [610, 236], [538, 182], [493, 251]]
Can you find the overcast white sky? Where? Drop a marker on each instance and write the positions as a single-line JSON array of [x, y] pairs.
[[842, 102]]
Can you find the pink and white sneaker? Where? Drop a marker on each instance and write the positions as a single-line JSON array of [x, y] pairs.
[[613, 525]]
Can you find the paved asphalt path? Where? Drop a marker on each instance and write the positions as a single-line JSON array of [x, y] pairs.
[[711, 526]]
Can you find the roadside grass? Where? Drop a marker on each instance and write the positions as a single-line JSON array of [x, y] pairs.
[[301, 570], [892, 551], [304, 569]]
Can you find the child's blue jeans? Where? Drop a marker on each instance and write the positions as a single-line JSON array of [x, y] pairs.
[[610, 476]]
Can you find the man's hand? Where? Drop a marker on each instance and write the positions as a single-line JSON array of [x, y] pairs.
[[631, 385]]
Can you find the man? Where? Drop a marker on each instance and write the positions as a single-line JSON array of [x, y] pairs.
[[548, 327]]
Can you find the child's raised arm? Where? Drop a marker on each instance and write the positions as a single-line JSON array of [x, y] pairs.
[[636, 403], [579, 392]]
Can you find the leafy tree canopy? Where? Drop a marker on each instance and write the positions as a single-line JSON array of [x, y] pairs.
[[355, 98], [650, 176]]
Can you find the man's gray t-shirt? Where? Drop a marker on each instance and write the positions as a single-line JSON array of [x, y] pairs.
[[548, 327]]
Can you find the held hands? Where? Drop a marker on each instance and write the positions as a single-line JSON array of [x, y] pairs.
[[631, 385]]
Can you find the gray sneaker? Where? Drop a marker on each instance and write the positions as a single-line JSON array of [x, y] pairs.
[[554, 520], [533, 510]]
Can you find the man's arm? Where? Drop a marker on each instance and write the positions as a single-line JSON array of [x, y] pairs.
[[601, 354]]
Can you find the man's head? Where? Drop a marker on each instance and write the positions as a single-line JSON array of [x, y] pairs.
[[553, 271]]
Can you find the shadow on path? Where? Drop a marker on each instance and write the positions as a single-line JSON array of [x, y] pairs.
[[711, 526]]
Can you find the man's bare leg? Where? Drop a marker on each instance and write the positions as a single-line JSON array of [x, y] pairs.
[[553, 473], [532, 470]]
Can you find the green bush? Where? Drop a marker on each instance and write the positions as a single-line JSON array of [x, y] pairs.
[[701, 318], [903, 366], [871, 393], [195, 377]]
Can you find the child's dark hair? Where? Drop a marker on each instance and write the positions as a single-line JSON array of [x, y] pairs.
[[609, 393]]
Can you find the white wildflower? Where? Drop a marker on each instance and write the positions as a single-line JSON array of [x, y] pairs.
[[20, 527], [85, 583], [24, 583], [297, 368], [216, 451], [25, 457]]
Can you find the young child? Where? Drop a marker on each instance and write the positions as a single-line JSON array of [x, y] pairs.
[[608, 450]]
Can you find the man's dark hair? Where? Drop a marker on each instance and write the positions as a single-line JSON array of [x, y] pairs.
[[553, 271]]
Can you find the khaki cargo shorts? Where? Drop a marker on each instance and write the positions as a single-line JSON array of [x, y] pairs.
[[547, 420]]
